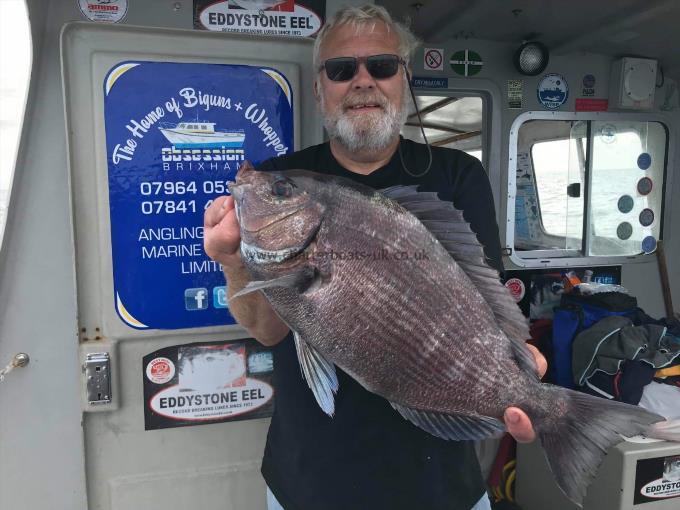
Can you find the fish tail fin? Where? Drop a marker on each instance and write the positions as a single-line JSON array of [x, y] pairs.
[[578, 434], [668, 430]]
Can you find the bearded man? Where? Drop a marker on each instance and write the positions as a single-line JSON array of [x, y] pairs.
[[366, 456]]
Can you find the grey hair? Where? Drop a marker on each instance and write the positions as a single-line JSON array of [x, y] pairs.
[[367, 15]]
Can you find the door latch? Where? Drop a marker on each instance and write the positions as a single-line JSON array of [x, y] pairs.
[[97, 370]]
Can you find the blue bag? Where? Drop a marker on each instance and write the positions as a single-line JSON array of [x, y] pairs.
[[576, 313]]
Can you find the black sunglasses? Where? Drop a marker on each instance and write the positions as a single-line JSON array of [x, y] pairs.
[[380, 67]]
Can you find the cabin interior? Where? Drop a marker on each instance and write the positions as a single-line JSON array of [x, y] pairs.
[[573, 108]]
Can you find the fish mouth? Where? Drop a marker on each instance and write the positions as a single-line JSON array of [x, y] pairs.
[[256, 255]]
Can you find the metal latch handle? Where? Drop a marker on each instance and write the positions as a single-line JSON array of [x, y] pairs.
[[20, 360]]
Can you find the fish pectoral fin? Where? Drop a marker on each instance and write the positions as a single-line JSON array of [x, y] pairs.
[[457, 427], [292, 280], [319, 374]]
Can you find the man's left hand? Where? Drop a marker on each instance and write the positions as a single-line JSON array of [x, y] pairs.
[[516, 421]]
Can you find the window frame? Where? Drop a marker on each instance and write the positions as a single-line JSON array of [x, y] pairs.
[[486, 113], [567, 258]]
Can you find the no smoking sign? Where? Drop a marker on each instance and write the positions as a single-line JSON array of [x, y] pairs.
[[433, 59]]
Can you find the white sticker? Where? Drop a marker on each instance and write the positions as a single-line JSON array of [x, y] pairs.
[[105, 11], [160, 370], [661, 489], [433, 59], [194, 406], [257, 18]]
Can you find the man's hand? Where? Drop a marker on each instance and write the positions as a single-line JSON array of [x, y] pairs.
[[221, 240], [516, 421], [221, 236]]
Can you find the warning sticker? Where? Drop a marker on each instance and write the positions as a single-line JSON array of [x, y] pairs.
[[657, 479], [515, 94], [591, 105], [466, 62], [430, 83], [433, 59], [207, 382]]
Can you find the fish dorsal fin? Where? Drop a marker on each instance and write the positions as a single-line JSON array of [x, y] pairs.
[[447, 224], [319, 374], [457, 427]]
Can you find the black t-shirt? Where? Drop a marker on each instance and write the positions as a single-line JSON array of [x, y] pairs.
[[367, 456]]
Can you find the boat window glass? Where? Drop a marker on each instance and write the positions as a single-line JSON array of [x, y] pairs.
[[15, 61], [587, 188], [454, 121]]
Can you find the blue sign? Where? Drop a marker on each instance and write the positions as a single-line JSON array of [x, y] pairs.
[[644, 161], [176, 133], [430, 83], [553, 91]]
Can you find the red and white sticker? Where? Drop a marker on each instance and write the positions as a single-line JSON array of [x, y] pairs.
[[433, 59], [517, 288], [105, 11], [160, 370]]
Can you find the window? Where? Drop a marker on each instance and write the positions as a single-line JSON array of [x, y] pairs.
[[586, 188], [448, 121], [15, 62]]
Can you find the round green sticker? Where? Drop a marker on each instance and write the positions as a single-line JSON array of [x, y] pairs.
[[466, 62]]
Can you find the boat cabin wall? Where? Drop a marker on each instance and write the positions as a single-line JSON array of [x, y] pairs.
[[44, 120], [639, 274]]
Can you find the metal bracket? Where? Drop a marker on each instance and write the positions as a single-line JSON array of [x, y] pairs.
[[97, 370]]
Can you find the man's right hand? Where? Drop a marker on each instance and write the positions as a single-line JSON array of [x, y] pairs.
[[221, 236], [221, 241]]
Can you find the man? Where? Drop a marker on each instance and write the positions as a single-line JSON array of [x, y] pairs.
[[367, 456]]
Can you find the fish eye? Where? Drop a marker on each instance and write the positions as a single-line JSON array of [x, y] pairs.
[[282, 188]]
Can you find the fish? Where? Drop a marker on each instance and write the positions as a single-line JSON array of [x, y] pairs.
[[392, 286]]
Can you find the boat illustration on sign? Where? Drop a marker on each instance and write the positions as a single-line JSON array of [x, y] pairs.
[[194, 135]]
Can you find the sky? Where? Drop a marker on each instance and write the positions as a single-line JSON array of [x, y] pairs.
[[15, 63], [15, 58]]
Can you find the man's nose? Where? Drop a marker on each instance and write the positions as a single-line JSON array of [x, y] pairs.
[[363, 78]]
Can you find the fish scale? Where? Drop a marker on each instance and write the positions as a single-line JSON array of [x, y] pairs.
[[415, 319], [440, 338]]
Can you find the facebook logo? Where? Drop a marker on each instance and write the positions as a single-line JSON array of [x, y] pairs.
[[196, 299], [220, 297]]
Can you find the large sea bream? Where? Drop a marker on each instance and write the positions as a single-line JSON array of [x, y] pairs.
[[393, 288]]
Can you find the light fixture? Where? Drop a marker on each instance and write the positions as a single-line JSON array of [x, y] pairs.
[[531, 58]]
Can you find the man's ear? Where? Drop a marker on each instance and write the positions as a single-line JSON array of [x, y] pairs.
[[316, 91]]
